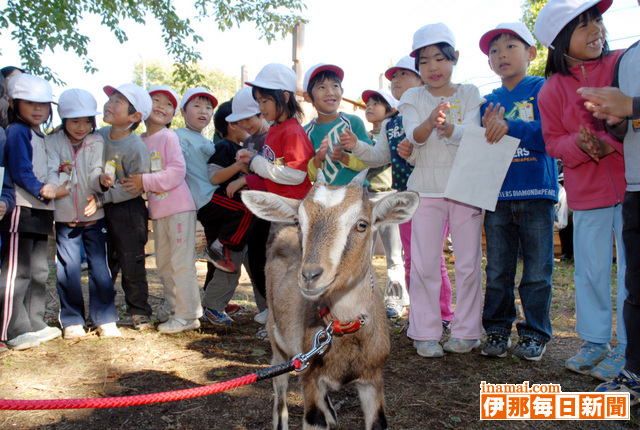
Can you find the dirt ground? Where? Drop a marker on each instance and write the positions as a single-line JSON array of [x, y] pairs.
[[420, 393]]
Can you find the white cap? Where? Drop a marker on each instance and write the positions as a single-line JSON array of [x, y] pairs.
[[382, 93], [30, 88], [515, 28], [275, 76], [406, 63], [243, 106], [77, 103], [198, 92], [139, 99], [556, 14], [320, 67], [168, 91], [431, 34]]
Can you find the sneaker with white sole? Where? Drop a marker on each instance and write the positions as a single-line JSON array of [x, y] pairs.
[[461, 346], [394, 310], [178, 325], [109, 330], [625, 382], [529, 349], [48, 333], [496, 345], [218, 318], [24, 341], [611, 365], [3, 348], [428, 348], [220, 257], [263, 334], [73, 331], [589, 355], [261, 318]]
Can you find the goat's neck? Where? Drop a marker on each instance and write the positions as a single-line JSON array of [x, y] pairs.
[[351, 303]]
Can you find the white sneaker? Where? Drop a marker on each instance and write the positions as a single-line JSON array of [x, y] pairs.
[[109, 330], [178, 325], [261, 318], [24, 341], [461, 346], [48, 333], [73, 331], [428, 348]]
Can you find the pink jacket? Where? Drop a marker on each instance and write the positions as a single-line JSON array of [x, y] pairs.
[[589, 185], [167, 191]]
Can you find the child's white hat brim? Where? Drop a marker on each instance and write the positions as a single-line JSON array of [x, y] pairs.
[[77, 103], [556, 14], [30, 88], [168, 91], [382, 93], [243, 106], [318, 68], [515, 28], [198, 92], [431, 34], [406, 63], [276, 76], [138, 97]]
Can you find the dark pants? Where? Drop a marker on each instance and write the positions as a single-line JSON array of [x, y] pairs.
[[127, 232], [69, 244], [631, 238], [23, 284], [527, 224]]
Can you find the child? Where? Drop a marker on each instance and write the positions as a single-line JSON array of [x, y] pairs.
[[287, 149], [434, 118], [322, 88], [523, 218], [127, 228], [173, 212], [77, 149], [25, 230], [579, 56], [621, 108]]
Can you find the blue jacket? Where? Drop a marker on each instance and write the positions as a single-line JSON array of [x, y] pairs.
[[8, 193], [533, 174]]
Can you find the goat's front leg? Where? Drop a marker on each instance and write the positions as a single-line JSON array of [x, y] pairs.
[[280, 385], [318, 411]]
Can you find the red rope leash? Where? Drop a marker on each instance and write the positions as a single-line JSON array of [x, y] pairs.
[[145, 399]]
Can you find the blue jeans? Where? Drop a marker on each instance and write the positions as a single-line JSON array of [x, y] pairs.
[[69, 241], [526, 225]]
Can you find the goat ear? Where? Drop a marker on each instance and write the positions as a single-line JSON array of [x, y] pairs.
[[360, 178], [271, 207], [395, 208]]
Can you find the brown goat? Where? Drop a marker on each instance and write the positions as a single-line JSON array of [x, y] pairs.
[[321, 258]]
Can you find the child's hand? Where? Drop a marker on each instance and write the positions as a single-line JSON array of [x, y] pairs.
[[438, 116], [494, 123], [592, 145], [337, 154], [91, 207], [322, 151], [66, 168], [348, 140], [133, 184], [3, 209], [405, 148], [63, 190], [608, 103], [48, 191], [106, 180], [234, 186], [244, 156]]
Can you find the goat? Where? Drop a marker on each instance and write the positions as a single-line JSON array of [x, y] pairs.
[[321, 258]]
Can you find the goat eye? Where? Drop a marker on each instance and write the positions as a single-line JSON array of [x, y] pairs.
[[296, 222], [361, 225]]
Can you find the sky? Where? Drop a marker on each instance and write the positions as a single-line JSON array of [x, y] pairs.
[[363, 37]]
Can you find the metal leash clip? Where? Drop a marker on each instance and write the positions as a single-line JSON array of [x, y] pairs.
[[321, 340]]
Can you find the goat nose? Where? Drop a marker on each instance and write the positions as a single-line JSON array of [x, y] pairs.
[[312, 275]]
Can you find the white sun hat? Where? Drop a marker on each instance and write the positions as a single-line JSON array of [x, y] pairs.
[[243, 106], [515, 28], [556, 14], [382, 93], [195, 92], [276, 76], [168, 91], [431, 34], [320, 67], [77, 103], [30, 88], [138, 97], [406, 62]]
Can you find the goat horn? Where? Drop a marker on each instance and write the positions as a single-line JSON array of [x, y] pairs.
[[360, 178]]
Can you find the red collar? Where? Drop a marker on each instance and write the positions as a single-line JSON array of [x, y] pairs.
[[337, 326]]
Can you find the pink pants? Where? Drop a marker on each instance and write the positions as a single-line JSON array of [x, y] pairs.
[[429, 221], [445, 291]]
